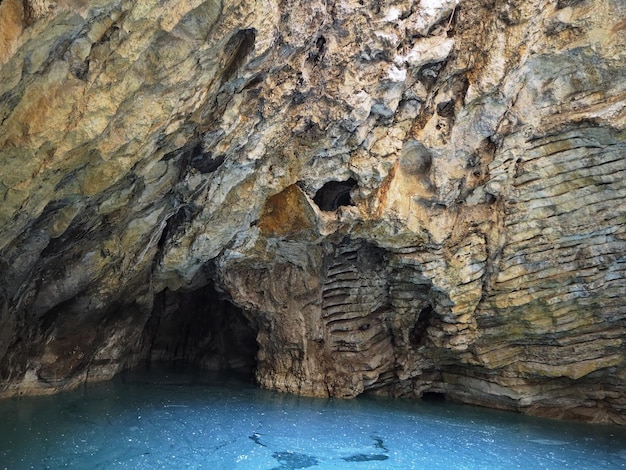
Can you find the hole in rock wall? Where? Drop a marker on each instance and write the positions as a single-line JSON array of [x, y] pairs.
[[418, 334], [433, 396], [200, 328], [335, 194]]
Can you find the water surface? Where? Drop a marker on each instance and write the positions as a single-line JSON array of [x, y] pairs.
[[176, 420]]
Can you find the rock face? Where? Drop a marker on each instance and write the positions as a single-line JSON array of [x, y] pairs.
[[399, 197]]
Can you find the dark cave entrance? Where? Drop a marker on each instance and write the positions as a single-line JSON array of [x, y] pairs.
[[434, 396], [335, 194], [200, 329]]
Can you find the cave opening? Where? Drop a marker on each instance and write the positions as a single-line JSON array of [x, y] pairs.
[[433, 396], [200, 329], [419, 333], [335, 194]]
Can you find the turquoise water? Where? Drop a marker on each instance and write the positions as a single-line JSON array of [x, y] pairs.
[[179, 420]]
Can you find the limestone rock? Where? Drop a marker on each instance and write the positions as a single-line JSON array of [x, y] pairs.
[[349, 196]]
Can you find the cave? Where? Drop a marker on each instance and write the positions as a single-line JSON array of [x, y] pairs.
[[200, 329], [337, 198], [431, 396], [335, 194]]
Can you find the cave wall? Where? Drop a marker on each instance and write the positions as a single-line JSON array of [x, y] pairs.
[[397, 197]]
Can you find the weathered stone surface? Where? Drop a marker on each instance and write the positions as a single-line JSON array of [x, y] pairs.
[[397, 197]]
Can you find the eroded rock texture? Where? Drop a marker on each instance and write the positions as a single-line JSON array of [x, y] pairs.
[[399, 197]]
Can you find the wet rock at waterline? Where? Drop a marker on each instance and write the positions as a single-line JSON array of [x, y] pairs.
[[346, 196]]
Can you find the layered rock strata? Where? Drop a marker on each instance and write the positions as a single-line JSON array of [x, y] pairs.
[[400, 197]]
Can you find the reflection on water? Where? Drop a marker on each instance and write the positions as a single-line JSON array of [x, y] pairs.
[[168, 419]]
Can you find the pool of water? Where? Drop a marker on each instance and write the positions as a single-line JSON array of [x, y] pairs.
[[175, 420]]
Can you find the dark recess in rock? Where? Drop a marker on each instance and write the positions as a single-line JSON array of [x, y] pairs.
[[428, 74], [86, 226], [317, 53], [418, 334], [253, 82], [335, 194], [298, 97], [204, 162], [239, 46], [194, 155], [202, 329], [434, 396], [175, 223], [446, 109]]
